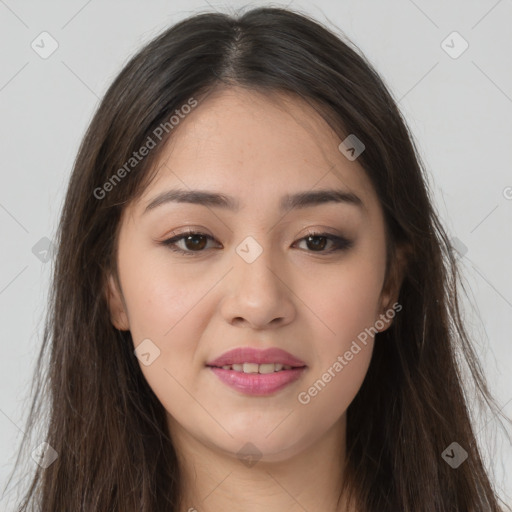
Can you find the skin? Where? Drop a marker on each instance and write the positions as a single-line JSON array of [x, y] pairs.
[[293, 296]]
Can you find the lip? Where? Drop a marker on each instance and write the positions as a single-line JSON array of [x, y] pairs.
[[259, 356], [257, 384]]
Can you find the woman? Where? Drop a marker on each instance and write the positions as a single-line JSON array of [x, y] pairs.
[[254, 303]]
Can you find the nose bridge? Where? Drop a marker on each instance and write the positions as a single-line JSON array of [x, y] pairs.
[[255, 264], [255, 290]]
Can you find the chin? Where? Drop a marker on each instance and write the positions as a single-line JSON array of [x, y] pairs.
[[258, 446]]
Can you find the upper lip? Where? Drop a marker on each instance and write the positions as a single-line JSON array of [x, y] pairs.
[[253, 355]]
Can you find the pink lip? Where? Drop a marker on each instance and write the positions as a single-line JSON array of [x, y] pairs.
[[252, 355], [256, 383]]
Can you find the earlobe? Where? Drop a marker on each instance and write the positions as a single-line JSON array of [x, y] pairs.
[[387, 313], [391, 290], [385, 319], [116, 305]]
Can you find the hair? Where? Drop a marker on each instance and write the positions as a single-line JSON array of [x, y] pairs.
[[102, 418]]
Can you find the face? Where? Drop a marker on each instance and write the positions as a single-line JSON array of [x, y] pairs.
[[307, 279]]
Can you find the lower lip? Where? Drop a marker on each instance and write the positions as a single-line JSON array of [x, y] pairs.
[[258, 384]]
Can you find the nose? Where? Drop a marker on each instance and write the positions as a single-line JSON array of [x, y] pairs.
[[258, 295]]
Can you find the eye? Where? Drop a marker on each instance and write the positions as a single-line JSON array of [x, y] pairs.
[[195, 242], [192, 239], [320, 240]]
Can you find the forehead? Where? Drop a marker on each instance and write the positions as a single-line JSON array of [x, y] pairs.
[[256, 148]]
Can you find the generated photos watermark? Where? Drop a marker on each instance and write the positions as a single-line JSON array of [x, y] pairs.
[[138, 156], [304, 397]]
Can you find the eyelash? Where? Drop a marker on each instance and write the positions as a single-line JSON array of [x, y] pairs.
[[340, 243]]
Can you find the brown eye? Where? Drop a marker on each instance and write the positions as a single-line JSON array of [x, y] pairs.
[[317, 242], [193, 242]]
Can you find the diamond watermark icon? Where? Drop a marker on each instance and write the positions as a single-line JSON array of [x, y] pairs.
[[44, 45], [249, 454], [147, 352], [454, 45], [44, 455], [249, 249], [459, 249], [43, 249], [454, 455], [351, 147]]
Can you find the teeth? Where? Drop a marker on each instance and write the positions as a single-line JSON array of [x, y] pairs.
[[265, 368], [257, 368], [250, 368]]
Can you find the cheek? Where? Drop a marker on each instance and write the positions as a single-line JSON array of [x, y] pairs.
[[327, 395], [164, 308], [346, 307], [345, 301], [343, 342], [156, 294]]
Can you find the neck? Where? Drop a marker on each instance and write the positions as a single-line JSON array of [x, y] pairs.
[[311, 479]]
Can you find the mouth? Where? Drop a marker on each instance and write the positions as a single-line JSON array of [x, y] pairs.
[[257, 372], [263, 369], [253, 360]]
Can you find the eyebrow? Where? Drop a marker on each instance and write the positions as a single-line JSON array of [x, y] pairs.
[[288, 201]]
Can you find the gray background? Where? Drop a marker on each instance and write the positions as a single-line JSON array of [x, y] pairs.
[[459, 110]]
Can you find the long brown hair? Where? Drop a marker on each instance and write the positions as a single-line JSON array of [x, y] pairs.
[[106, 425]]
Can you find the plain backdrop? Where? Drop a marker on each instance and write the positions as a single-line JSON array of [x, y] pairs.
[[456, 100]]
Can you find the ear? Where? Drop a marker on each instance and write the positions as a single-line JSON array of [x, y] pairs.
[[391, 288], [116, 305]]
